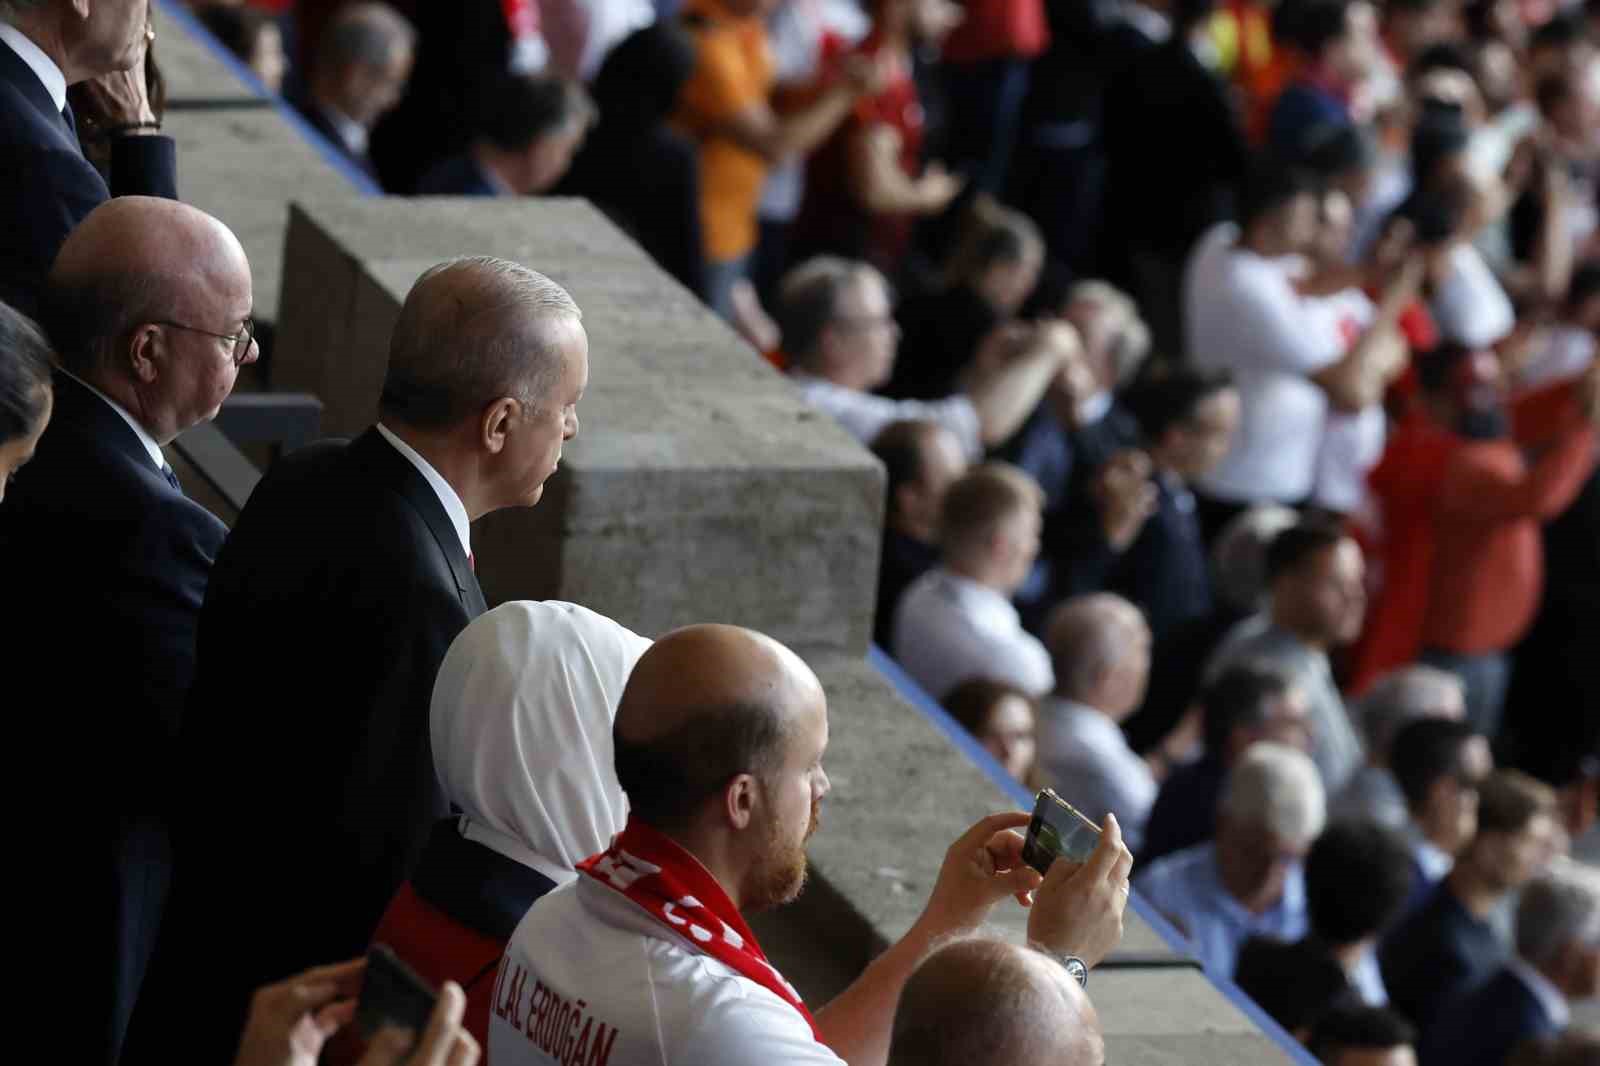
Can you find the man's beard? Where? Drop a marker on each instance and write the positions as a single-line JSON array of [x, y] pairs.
[[781, 875]]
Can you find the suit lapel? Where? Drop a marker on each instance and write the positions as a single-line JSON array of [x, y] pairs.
[[26, 82], [408, 481]]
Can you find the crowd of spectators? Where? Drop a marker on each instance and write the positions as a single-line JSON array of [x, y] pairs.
[[1234, 371]]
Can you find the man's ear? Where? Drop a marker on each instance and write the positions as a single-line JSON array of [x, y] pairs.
[[495, 423], [739, 801], [145, 351]]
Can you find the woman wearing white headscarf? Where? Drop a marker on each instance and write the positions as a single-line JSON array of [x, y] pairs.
[[521, 730]]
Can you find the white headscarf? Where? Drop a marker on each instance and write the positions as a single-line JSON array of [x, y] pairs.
[[521, 726]]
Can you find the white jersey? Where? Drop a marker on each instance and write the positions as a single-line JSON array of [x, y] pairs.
[[591, 979]]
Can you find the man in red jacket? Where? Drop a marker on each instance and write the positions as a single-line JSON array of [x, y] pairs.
[[1488, 560]]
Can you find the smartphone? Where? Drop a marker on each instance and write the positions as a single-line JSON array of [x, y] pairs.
[[1058, 830], [393, 994]]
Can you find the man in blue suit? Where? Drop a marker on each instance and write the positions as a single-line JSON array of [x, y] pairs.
[[1557, 961], [529, 128], [46, 185]]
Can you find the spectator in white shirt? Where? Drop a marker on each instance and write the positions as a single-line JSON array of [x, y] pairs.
[[719, 746], [1100, 647], [841, 339], [1245, 313], [957, 621], [983, 1002], [1399, 698]]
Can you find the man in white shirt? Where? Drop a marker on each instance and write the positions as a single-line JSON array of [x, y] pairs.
[[1100, 647], [957, 622], [840, 336], [646, 959], [1244, 312]]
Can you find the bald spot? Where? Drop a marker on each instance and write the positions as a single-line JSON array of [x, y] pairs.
[[698, 669], [984, 1002], [179, 252]]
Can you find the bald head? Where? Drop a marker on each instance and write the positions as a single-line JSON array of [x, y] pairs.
[[984, 1002], [141, 301], [473, 330], [1093, 640], [705, 704]]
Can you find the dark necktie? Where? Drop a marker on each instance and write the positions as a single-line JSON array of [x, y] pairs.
[[172, 479], [70, 120]]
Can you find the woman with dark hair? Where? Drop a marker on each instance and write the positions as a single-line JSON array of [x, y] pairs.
[[636, 90], [25, 392], [1001, 718]]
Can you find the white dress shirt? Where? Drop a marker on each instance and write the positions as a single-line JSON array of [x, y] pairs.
[[1469, 305], [1435, 862], [1367, 979], [1243, 315], [1084, 756], [1352, 441], [948, 629], [866, 415], [441, 488], [351, 133], [55, 82], [139, 431], [588, 967]]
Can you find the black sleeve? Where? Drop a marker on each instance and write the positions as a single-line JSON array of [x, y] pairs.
[[144, 166], [45, 193]]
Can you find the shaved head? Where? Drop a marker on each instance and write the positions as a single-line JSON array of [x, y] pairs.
[[984, 1002], [704, 704], [473, 330], [147, 300]]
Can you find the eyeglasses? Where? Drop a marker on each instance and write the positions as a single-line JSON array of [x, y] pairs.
[[241, 340]]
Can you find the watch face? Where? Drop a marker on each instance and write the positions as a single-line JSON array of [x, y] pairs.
[[1079, 972]]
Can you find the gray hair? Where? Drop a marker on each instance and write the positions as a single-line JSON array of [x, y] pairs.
[[88, 313], [1088, 637], [370, 34], [1558, 909], [470, 332], [1130, 339], [1277, 788], [1403, 696], [1239, 557], [808, 300]]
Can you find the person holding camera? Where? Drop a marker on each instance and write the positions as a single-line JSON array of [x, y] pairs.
[[719, 746]]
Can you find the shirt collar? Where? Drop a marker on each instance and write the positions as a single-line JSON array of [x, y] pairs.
[[1086, 719], [143, 434], [43, 67], [1094, 408], [989, 606], [1549, 996], [1435, 861], [351, 132], [441, 488]]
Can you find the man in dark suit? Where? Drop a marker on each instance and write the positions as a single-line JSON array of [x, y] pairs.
[[529, 127], [341, 587], [362, 63], [46, 185], [1557, 961], [1449, 945], [148, 305]]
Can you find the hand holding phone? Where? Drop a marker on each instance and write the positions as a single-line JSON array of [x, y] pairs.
[[392, 994], [1057, 830], [1078, 909]]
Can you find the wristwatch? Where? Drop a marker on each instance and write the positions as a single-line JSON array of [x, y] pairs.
[[1074, 967]]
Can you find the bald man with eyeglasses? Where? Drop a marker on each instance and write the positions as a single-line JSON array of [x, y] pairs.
[[147, 307]]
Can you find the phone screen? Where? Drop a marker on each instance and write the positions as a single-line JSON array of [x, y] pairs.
[[1058, 830], [392, 994]]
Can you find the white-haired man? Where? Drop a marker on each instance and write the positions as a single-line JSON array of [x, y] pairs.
[[1557, 962], [1100, 648], [1248, 881]]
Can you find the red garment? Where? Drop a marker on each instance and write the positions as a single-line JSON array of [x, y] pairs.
[[998, 29], [441, 949], [1404, 485], [831, 218], [1488, 571]]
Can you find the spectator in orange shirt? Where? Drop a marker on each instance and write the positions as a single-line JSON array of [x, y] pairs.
[[725, 107], [1488, 558]]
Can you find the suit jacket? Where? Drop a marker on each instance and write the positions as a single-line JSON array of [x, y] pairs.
[[1434, 956], [317, 119], [459, 175], [331, 606], [47, 186], [106, 564], [1483, 1027]]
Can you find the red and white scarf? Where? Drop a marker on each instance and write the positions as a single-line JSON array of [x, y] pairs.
[[671, 886]]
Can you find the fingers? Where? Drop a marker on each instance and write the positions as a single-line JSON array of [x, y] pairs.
[[1005, 849], [388, 1047], [1108, 853], [465, 1052], [438, 1043], [334, 1016], [991, 825]]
